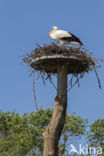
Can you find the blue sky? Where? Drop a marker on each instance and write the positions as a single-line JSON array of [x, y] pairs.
[[22, 24]]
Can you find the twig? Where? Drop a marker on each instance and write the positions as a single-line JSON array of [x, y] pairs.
[[38, 45], [75, 82], [38, 75], [98, 79], [70, 82], [42, 78], [99, 59], [34, 90], [52, 82], [78, 81]]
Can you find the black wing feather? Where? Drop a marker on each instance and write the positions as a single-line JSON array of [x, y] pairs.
[[72, 38]]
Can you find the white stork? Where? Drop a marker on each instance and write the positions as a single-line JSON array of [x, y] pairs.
[[64, 37]]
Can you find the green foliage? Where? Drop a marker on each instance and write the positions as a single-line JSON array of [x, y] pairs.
[[74, 126], [96, 134], [22, 135]]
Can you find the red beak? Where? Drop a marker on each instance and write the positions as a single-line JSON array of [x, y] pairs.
[[48, 34]]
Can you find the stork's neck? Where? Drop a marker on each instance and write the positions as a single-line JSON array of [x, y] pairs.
[[52, 31]]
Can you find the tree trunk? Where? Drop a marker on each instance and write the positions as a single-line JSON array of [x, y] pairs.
[[53, 131]]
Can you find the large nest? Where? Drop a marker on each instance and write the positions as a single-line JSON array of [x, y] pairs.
[[47, 59]]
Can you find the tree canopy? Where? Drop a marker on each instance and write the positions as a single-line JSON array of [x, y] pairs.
[[23, 135], [96, 134]]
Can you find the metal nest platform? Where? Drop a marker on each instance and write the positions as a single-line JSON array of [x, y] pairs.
[[45, 61], [48, 57]]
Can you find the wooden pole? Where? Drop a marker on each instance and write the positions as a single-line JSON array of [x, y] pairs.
[[62, 81], [53, 131]]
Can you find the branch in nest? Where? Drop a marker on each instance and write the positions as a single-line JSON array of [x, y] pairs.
[[77, 81], [42, 76], [50, 79], [34, 90], [98, 79], [38, 45]]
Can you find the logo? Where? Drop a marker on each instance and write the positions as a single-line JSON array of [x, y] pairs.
[[85, 149]]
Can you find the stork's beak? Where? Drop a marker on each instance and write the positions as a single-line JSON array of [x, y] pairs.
[[48, 34]]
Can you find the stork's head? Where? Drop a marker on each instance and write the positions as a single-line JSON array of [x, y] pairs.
[[54, 28]]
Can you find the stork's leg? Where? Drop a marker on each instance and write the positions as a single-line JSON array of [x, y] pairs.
[[62, 43], [57, 42]]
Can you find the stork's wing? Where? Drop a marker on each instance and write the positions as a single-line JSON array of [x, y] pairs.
[[72, 35], [76, 39], [61, 33], [71, 39]]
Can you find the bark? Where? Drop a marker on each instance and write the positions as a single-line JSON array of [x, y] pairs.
[[53, 131]]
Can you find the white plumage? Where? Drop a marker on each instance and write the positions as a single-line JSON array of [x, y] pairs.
[[64, 37]]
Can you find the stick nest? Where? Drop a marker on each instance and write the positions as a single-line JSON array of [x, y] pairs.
[[48, 57], [44, 60]]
